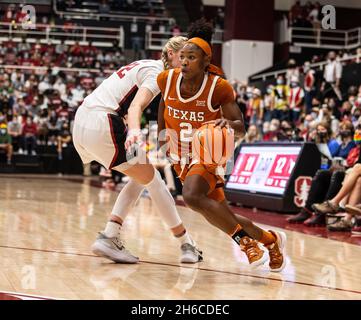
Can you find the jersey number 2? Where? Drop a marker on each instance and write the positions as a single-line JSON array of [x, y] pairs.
[[122, 70]]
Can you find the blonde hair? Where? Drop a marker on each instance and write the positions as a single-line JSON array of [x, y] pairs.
[[175, 44]]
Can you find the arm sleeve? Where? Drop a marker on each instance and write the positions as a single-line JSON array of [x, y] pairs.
[[147, 78], [223, 93]]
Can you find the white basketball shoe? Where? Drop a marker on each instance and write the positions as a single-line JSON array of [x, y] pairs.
[[113, 249], [190, 254]]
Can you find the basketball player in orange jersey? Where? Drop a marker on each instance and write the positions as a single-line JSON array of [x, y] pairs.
[[100, 134], [193, 95]]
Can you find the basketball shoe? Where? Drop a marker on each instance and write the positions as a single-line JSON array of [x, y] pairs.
[[113, 249], [190, 254], [254, 253], [277, 251]]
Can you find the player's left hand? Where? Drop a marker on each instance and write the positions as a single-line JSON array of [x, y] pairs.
[[222, 123], [134, 136]]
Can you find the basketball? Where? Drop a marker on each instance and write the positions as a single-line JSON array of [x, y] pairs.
[[212, 144]]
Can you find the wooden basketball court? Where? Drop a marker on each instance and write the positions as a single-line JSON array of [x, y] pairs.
[[48, 223]]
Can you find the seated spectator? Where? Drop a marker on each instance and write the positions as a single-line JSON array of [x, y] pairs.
[[347, 143], [5, 142], [350, 194], [286, 132], [325, 186], [29, 134], [270, 133], [43, 129], [53, 128], [253, 134]]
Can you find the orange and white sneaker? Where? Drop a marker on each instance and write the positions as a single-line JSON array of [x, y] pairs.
[[256, 256], [277, 251]]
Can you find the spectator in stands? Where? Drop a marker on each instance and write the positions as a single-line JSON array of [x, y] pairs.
[[15, 131], [6, 142], [255, 108], [347, 143], [308, 85], [280, 103], [292, 72], [267, 102], [270, 134], [326, 182], [64, 139], [53, 128], [295, 13], [286, 132], [349, 194], [315, 17], [104, 7], [43, 129], [29, 134], [295, 99], [332, 77], [253, 134]]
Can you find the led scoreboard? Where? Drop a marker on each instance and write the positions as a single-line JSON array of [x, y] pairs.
[[264, 174]]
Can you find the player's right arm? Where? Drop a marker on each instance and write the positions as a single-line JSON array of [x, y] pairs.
[[141, 100]]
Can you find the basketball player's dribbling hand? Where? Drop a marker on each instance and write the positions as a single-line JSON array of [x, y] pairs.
[[134, 137], [222, 123]]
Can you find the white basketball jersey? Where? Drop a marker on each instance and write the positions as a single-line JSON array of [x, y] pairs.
[[117, 91]]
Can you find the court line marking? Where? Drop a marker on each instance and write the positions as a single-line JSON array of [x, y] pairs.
[[188, 267]]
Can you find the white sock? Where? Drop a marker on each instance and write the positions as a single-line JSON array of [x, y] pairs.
[[112, 229], [163, 200], [127, 199], [186, 238]]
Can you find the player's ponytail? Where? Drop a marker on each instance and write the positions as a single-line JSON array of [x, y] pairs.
[[175, 44]]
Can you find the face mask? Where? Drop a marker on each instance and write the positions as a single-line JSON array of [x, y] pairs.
[[279, 81], [269, 91], [314, 115], [322, 135], [3, 132], [272, 127], [250, 95]]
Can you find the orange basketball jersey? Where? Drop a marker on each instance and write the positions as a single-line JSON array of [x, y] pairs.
[[183, 115]]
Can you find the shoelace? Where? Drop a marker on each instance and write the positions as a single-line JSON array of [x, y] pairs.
[[189, 247], [251, 249], [274, 253]]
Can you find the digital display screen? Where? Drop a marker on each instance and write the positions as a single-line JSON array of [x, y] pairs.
[[264, 169]]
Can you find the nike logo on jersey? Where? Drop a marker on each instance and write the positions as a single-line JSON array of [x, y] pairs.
[[185, 115], [200, 103]]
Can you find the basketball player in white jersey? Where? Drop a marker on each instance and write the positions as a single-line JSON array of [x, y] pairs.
[[100, 134]]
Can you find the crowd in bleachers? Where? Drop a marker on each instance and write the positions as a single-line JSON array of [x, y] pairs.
[[37, 105], [305, 16], [302, 107]]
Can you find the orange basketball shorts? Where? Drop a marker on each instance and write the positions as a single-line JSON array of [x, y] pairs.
[[208, 172]]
